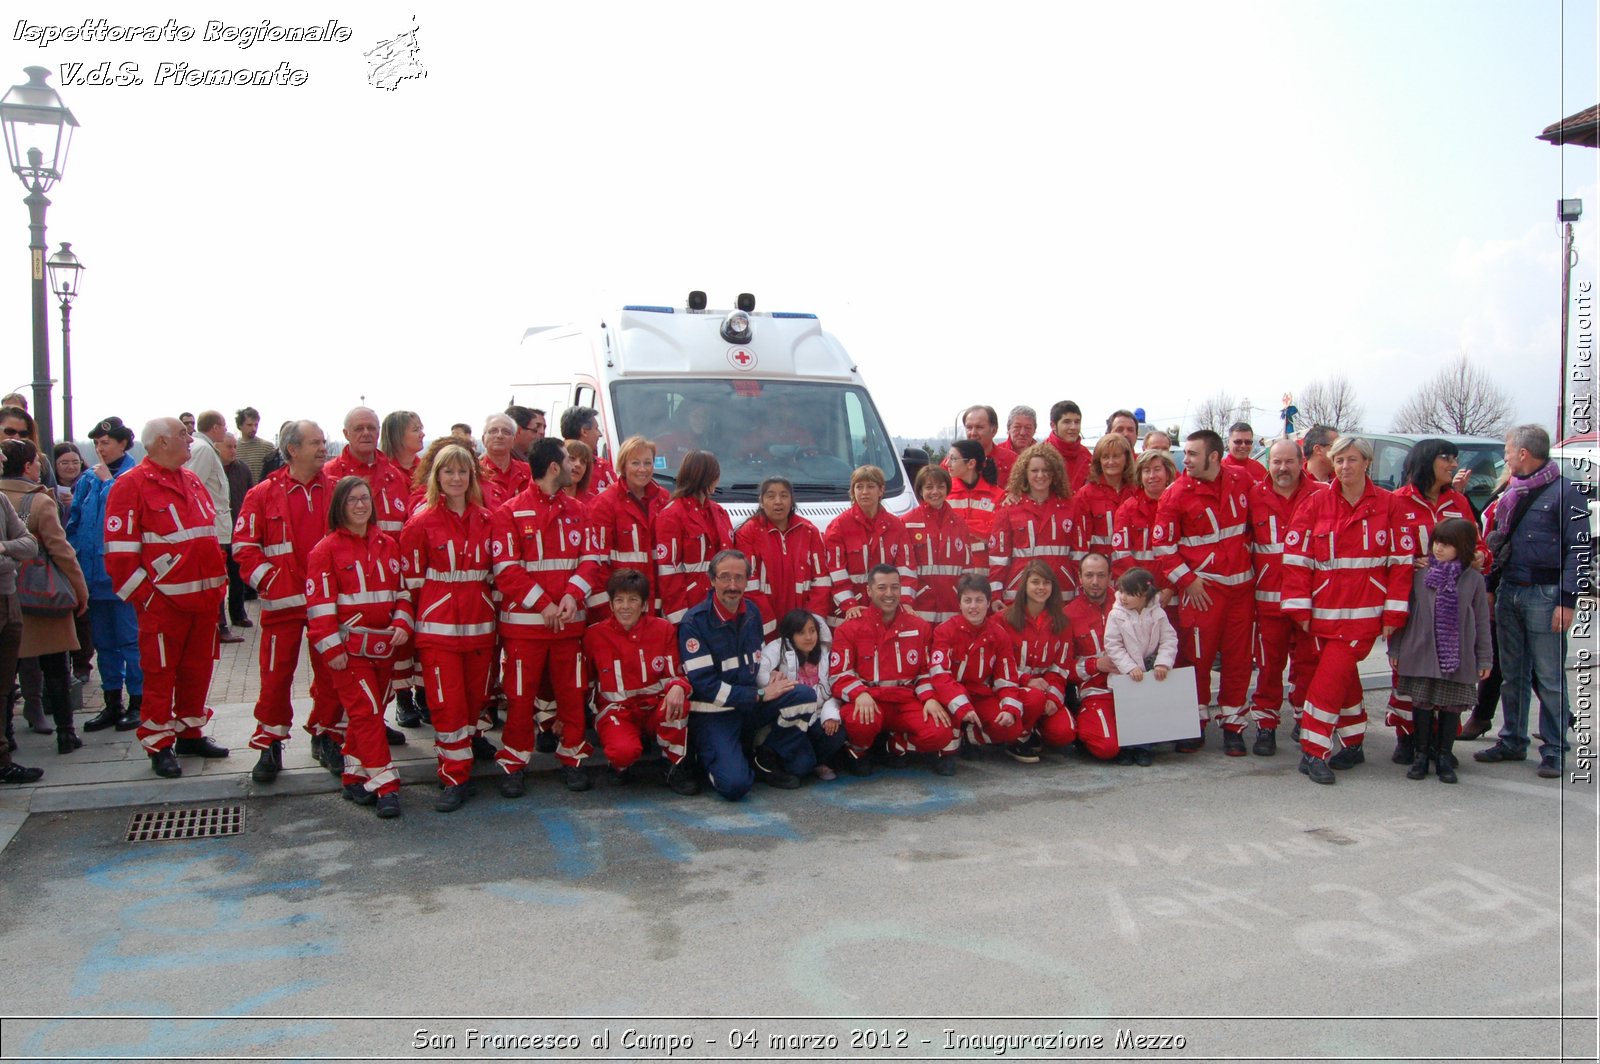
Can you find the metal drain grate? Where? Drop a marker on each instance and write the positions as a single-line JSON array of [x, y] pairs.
[[174, 824]]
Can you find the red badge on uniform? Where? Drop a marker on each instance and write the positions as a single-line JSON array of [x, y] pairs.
[[691, 644], [113, 524], [911, 656]]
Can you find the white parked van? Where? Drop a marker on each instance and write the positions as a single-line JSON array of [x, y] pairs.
[[769, 393]]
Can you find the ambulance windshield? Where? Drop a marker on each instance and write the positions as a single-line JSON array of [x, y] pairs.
[[815, 434]]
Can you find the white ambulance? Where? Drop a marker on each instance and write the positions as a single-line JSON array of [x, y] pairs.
[[768, 392]]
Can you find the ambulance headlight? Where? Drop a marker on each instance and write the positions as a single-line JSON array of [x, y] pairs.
[[736, 327]]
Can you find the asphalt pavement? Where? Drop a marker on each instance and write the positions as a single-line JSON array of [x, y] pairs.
[[1204, 908]]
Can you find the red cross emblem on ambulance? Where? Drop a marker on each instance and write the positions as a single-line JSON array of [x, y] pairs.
[[742, 358]]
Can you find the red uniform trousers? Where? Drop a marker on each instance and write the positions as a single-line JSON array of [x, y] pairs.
[[1227, 627], [900, 714], [279, 659], [528, 662], [1280, 642], [1333, 698], [1097, 727], [362, 686], [622, 725], [987, 705], [1055, 729], [177, 651], [457, 682], [1398, 715]]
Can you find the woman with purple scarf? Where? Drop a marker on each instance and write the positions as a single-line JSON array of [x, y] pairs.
[[1444, 649]]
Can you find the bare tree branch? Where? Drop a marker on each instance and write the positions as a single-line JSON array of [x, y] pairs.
[[1459, 400], [1215, 412], [1330, 402]]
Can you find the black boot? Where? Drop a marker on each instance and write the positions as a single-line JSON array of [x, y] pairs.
[[108, 716], [58, 700], [130, 716], [269, 765], [405, 710], [419, 698], [1422, 742], [1445, 744]]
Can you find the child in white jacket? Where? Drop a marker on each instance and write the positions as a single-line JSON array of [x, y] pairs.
[[1138, 634], [800, 653], [1139, 637]]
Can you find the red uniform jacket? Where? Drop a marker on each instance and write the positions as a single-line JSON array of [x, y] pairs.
[[1043, 652], [1253, 470], [1133, 542], [353, 581], [1270, 517], [391, 490], [972, 660], [1094, 511], [1026, 531], [1418, 517], [444, 557], [870, 654], [943, 549], [161, 537], [1346, 568], [605, 475], [855, 545], [1005, 459], [280, 522], [543, 549], [1088, 643], [634, 663], [977, 504], [688, 534], [789, 569], [501, 485], [624, 534], [1078, 459], [1203, 526]]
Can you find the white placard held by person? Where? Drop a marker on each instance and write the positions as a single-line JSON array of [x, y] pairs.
[[1156, 711]]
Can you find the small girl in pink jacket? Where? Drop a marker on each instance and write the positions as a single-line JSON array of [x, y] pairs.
[[1138, 634], [1138, 637]]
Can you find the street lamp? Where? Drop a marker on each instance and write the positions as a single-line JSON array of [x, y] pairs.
[[66, 277], [38, 130], [1567, 212]]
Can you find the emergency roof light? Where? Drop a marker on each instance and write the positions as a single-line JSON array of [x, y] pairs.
[[746, 302], [1569, 210], [38, 130], [736, 327], [697, 300]]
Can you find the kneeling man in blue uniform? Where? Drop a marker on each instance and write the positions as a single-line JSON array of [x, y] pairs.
[[719, 642]]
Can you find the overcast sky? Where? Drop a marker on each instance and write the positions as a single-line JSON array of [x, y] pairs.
[[1124, 204]]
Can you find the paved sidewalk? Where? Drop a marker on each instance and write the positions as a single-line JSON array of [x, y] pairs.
[[112, 770]]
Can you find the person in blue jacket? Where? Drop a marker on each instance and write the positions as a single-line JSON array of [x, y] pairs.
[[719, 642], [113, 621]]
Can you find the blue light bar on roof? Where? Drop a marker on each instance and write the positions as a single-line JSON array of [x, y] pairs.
[[792, 314], [652, 310]]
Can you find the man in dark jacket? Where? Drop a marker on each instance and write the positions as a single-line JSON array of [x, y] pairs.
[[1539, 536], [719, 642]]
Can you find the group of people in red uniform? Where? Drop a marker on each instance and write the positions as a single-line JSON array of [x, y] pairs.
[[977, 619]]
